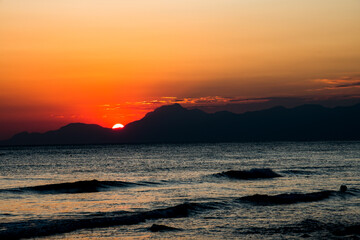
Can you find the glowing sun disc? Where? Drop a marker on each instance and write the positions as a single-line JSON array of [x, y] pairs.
[[117, 126]]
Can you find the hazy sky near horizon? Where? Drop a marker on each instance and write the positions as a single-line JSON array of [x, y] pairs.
[[109, 61]]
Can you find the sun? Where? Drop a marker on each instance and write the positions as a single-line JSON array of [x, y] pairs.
[[118, 126]]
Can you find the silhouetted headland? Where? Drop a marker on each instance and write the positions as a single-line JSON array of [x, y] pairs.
[[175, 124]]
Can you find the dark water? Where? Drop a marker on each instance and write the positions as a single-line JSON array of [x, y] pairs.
[[190, 191]]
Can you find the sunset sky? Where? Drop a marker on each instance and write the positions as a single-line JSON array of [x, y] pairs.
[[111, 61]]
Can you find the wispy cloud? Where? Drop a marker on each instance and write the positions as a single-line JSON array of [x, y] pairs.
[[189, 102], [192, 101], [339, 83]]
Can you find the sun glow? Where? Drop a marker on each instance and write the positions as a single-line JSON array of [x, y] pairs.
[[118, 126]]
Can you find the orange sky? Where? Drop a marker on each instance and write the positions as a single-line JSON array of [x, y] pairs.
[[109, 61]]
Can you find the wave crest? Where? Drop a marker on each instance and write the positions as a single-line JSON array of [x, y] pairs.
[[255, 173], [47, 227], [86, 186], [290, 198]]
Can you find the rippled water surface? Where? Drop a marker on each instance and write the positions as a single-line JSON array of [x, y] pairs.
[[120, 191]]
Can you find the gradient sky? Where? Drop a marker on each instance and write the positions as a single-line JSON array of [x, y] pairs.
[[109, 61]]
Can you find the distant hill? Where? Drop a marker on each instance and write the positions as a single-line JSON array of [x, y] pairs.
[[74, 133], [175, 124]]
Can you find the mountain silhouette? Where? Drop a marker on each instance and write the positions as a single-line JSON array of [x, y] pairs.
[[74, 133], [175, 124]]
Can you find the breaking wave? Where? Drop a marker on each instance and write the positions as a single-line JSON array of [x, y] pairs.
[[255, 173], [290, 198], [47, 227], [76, 187]]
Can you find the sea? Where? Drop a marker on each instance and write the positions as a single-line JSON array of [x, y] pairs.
[[262, 190]]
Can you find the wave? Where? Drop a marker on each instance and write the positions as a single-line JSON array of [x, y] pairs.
[[47, 227], [255, 173], [76, 187], [290, 198]]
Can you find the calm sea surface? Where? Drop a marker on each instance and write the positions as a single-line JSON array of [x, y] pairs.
[[120, 191]]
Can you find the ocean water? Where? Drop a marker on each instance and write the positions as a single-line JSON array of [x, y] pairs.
[[284, 190]]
